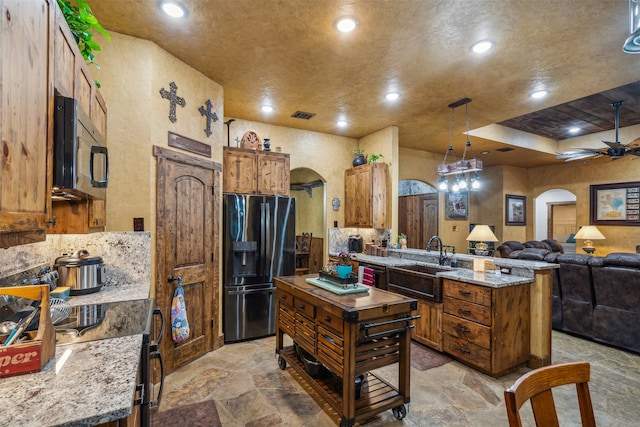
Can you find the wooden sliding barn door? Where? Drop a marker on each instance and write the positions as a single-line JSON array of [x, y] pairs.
[[187, 246]]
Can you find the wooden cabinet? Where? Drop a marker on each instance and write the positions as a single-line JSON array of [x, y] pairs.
[[71, 75], [25, 120], [351, 335], [79, 216], [72, 78], [486, 327], [428, 328], [255, 172], [366, 196]]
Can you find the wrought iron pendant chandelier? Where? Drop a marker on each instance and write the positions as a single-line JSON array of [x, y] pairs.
[[464, 171]]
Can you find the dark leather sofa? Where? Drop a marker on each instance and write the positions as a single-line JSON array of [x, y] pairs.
[[594, 297], [616, 312]]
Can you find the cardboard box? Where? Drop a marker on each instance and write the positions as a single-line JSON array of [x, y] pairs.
[[39, 346]]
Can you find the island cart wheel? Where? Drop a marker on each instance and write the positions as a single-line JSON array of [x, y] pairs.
[[283, 364], [399, 412]]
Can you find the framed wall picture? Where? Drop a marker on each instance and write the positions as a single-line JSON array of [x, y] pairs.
[[457, 205], [515, 210], [615, 204]]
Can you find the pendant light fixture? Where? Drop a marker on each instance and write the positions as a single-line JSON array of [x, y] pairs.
[[632, 43], [465, 171]]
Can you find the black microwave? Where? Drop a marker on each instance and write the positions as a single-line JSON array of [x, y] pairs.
[[80, 156]]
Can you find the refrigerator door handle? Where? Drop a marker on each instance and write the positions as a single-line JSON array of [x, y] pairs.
[[263, 236], [268, 243], [252, 291]]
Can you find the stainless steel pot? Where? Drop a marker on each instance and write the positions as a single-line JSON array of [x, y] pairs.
[[80, 272]]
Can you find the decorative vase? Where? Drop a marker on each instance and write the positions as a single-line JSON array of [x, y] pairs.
[[359, 159], [267, 144], [344, 271]]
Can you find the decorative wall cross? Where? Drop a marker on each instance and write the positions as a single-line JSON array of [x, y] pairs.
[[173, 100], [207, 113]]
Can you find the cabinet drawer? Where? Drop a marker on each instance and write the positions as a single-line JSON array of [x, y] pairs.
[[305, 332], [331, 321], [466, 330], [468, 352], [305, 307], [285, 297], [330, 349], [287, 320], [467, 292], [466, 310]]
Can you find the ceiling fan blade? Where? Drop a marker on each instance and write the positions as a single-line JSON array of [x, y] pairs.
[[591, 150], [634, 144], [569, 156], [614, 145]]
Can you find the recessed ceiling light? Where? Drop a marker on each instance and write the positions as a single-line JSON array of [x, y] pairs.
[[539, 94], [173, 8], [346, 24], [574, 129], [266, 108], [341, 123], [392, 96], [485, 152], [482, 46]]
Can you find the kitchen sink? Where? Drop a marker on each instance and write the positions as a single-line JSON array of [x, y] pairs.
[[416, 281]]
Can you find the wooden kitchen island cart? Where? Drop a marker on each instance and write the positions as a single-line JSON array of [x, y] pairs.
[[351, 335]]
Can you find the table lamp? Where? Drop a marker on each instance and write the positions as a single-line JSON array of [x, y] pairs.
[[481, 234], [589, 233]]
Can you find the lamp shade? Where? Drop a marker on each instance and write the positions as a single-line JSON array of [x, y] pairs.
[[589, 232], [482, 233]]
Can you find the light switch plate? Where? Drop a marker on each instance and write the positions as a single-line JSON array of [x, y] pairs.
[[138, 224]]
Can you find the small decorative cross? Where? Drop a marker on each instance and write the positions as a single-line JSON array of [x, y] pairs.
[[237, 140], [207, 113], [173, 100]]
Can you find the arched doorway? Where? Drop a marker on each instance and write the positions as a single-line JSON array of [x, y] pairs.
[[308, 188], [417, 212], [555, 217]]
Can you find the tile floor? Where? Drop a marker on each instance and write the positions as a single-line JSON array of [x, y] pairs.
[[250, 389]]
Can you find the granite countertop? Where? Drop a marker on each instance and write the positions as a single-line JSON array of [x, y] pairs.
[[95, 384], [492, 280]]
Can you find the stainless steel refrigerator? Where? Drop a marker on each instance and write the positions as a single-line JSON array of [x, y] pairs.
[[259, 244]]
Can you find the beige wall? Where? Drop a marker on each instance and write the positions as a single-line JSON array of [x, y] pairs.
[[309, 208], [132, 73]]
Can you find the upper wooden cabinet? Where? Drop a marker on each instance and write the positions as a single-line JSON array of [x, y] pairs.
[[72, 78], [25, 120], [366, 196], [255, 172]]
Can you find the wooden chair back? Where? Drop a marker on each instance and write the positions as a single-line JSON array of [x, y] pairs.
[[304, 242], [536, 386]]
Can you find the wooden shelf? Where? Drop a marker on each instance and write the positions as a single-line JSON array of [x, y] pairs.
[[376, 396]]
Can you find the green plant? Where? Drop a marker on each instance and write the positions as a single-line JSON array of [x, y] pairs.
[[401, 236], [373, 157], [358, 151], [81, 22]]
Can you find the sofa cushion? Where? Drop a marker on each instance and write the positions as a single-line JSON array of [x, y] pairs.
[[622, 259], [579, 259], [535, 254], [537, 244], [554, 245], [509, 246]]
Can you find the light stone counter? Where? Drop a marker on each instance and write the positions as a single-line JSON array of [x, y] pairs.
[[485, 279], [94, 385]]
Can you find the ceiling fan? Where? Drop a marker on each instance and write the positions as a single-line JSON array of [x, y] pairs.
[[615, 150]]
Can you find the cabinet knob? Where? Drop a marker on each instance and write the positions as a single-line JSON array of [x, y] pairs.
[[463, 292], [462, 329], [327, 319], [464, 311], [302, 306]]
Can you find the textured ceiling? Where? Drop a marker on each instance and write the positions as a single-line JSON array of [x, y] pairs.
[[288, 54]]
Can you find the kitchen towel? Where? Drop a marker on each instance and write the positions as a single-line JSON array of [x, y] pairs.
[[366, 276], [179, 322]]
